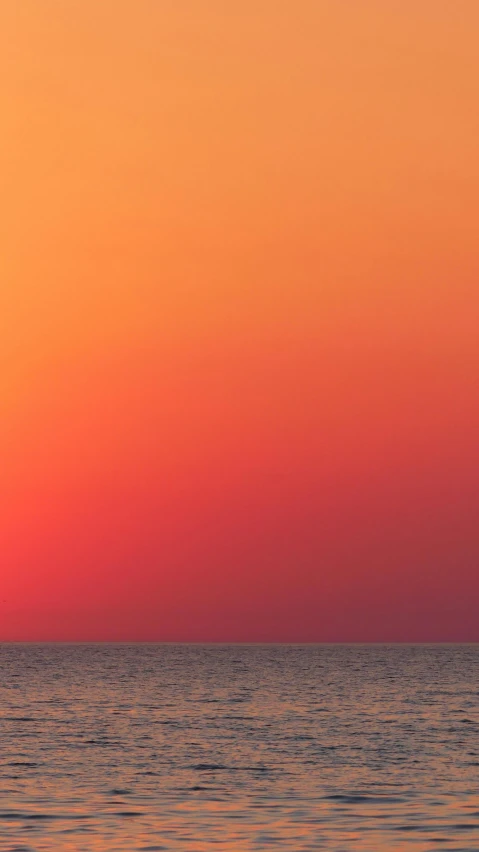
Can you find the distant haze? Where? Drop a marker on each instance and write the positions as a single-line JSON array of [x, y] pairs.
[[239, 320]]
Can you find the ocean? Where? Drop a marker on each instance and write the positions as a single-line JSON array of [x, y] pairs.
[[239, 747]]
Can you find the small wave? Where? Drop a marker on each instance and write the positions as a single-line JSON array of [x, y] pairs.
[[213, 767], [356, 799], [27, 763], [127, 813], [208, 767], [42, 816], [20, 719]]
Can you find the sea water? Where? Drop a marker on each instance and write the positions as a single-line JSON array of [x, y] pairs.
[[239, 747]]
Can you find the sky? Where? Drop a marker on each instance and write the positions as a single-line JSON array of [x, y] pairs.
[[239, 311]]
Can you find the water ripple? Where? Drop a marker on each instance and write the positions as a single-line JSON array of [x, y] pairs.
[[122, 748]]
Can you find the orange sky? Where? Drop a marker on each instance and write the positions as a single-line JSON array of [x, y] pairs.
[[239, 315]]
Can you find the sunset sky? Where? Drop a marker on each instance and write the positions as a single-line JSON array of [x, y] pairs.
[[239, 320]]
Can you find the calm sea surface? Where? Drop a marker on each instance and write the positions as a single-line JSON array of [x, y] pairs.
[[191, 747]]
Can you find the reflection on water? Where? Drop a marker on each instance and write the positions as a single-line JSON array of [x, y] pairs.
[[175, 747]]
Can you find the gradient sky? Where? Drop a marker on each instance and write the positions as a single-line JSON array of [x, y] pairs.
[[239, 320]]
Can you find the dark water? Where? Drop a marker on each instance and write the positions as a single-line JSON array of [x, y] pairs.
[[239, 747]]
